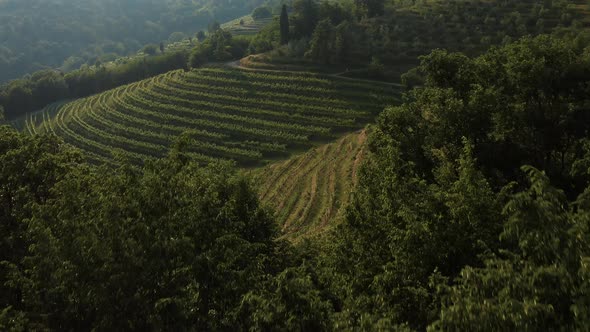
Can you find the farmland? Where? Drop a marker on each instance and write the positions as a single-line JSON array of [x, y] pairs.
[[310, 191], [219, 113], [246, 26]]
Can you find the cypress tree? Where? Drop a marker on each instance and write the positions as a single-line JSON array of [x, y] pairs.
[[284, 22]]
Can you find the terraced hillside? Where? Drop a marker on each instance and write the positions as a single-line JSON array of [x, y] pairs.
[[410, 29], [224, 113], [309, 191], [246, 26]]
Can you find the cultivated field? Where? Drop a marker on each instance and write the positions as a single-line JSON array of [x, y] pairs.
[[222, 113], [246, 26], [309, 191]]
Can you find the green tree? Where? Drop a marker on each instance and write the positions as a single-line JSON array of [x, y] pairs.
[[320, 48], [343, 43], [430, 196], [261, 13], [170, 246], [31, 167], [201, 35], [370, 8], [292, 302], [284, 25], [542, 283], [305, 18], [266, 40], [213, 27], [19, 98], [402, 237], [162, 47], [150, 49], [219, 46]]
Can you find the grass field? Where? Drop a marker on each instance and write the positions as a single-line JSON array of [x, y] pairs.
[[309, 191], [225, 113]]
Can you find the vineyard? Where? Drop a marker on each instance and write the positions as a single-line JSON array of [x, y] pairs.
[[246, 26], [219, 113], [309, 192]]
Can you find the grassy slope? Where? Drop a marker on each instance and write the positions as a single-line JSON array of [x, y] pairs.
[[309, 192]]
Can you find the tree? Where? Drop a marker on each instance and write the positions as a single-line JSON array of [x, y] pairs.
[[540, 284], [261, 13], [430, 199], [214, 26], [1, 113], [150, 49], [19, 98], [376, 68], [370, 8], [321, 42], [343, 43], [174, 247], [292, 302], [305, 17], [284, 25], [31, 167], [266, 39], [162, 47], [220, 46], [201, 35]]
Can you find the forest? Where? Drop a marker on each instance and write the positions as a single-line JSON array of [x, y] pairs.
[[49, 34], [460, 164]]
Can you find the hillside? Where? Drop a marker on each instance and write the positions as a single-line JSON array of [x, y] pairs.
[[226, 113], [246, 25], [404, 30], [310, 191], [40, 34], [250, 27]]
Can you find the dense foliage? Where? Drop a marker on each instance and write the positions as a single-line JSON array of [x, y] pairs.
[[389, 33], [443, 197], [38, 34], [170, 246]]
